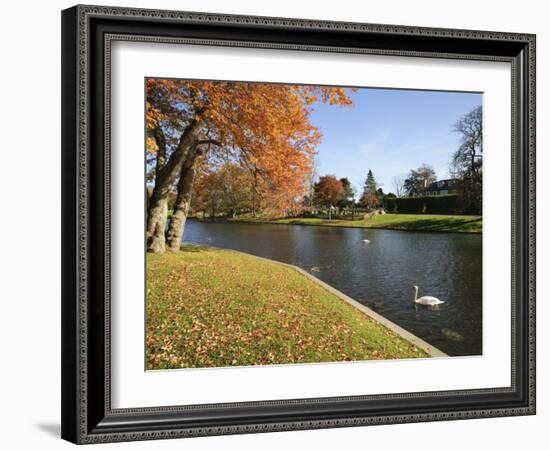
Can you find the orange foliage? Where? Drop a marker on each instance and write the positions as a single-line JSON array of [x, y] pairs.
[[328, 190], [222, 191], [263, 127]]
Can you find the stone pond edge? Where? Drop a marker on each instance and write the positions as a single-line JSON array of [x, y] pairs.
[[408, 336]]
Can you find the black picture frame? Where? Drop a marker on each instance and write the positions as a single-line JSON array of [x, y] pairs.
[[87, 416]]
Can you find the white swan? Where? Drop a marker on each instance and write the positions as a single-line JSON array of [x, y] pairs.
[[366, 241], [426, 300]]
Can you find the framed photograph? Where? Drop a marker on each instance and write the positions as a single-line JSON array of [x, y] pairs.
[[281, 224]]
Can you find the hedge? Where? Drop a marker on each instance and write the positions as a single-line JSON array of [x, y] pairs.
[[412, 205], [437, 204], [443, 204], [390, 204]]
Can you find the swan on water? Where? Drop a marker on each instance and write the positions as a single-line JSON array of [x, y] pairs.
[[366, 241], [427, 300]]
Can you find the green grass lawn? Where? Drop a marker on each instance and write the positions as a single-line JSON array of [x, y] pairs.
[[411, 222], [209, 307]]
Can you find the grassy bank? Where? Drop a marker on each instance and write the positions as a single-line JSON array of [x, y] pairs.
[[209, 307], [411, 222]]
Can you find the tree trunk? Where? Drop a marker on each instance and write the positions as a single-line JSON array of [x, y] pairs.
[[158, 207], [183, 200], [161, 144], [254, 191], [161, 210], [156, 224]]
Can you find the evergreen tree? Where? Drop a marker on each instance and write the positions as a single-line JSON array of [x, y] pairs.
[[347, 197], [370, 184], [370, 198]]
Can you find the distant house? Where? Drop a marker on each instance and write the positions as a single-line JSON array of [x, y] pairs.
[[442, 187]]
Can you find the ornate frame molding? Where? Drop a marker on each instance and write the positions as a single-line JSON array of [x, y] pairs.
[[86, 422]]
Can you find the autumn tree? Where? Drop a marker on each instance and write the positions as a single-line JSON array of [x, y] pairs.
[[327, 191], [223, 190], [370, 200], [209, 194], [265, 127]]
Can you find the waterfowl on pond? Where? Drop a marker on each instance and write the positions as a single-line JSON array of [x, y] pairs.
[[366, 241], [427, 300]]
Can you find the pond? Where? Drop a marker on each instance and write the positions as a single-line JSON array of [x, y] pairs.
[[379, 273]]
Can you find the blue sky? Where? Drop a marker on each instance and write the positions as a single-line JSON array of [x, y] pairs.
[[390, 131]]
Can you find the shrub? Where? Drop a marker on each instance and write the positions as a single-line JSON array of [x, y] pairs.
[[411, 205], [390, 204], [470, 196], [440, 204]]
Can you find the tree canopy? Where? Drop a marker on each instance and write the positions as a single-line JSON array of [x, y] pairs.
[[419, 180], [263, 128], [370, 184], [467, 158], [347, 198], [328, 191]]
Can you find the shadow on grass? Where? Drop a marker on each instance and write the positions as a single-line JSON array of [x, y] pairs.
[[437, 225], [317, 222], [444, 224], [192, 248]]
